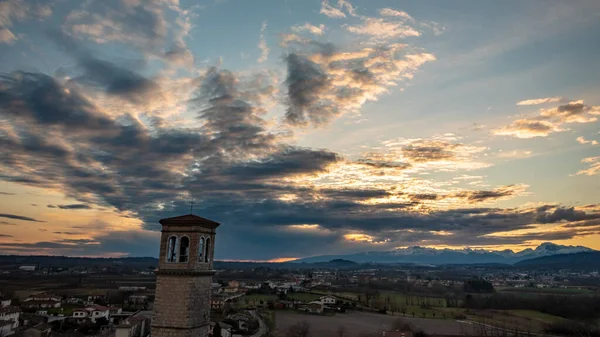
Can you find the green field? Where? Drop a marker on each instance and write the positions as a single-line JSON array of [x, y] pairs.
[[305, 297], [562, 291], [536, 315]]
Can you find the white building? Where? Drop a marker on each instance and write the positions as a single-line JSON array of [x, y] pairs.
[[327, 300], [43, 297], [11, 314], [5, 302], [92, 312], [5, 328], [28, 268]]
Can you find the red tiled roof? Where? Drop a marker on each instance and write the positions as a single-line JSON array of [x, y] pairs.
[[190, 219]]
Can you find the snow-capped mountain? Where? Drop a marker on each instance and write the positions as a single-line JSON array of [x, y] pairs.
[[425, 255]]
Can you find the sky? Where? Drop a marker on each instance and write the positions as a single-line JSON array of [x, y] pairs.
[[304, 127]]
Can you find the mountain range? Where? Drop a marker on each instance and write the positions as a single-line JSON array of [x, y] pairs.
[[422, 255]]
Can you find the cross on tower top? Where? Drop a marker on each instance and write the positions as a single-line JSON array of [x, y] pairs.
[[192, 206]]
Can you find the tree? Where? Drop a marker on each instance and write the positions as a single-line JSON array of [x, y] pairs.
[[217, 330], [300, 329]]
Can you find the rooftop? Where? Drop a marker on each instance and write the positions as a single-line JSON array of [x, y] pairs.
[[190, 219]]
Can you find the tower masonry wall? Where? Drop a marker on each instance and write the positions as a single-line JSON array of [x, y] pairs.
[[183, 302]]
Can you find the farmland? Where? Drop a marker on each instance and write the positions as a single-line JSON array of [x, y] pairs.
[[357, 323]]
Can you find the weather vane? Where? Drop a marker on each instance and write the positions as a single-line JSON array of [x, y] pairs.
[[192, 206]]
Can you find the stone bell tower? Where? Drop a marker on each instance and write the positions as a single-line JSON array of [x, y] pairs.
[[184, 277]]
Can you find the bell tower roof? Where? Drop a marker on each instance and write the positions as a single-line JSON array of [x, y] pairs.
[[190, 219]]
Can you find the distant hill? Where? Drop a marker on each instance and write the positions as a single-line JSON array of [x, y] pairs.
[[585, 260], [423, 255]]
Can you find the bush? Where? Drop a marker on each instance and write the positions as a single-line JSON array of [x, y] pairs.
[[460, 316]]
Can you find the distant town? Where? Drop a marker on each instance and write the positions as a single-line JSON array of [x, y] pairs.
[[60, 296]]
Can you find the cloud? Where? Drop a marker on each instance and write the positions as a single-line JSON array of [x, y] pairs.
[[594, 167], [20, 10], [7, 193], [549, 120], [112, 79], [18, 217], [139, 23], [572, 112], [71, 206], [337, 13], [6, 236], [503, 192], [328, 83], [515, 154], [262, 44], [6, 36], [307, 27], [6, 223], [142, 25], [395, 13], [582, 140], [115, 243], [382, 29], [541, 101], [548, 214], [528, 128]]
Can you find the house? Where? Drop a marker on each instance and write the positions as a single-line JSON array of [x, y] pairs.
[[115, 310], [225, 329], [284, 305], [5, 302], [134, 326], [44, 304], [328, 300], [74, 300], [43, 297], [234, 283], [5, 328], [241, 320], [314, 307], [11, 314], [230, 290], [92, 312], [42, 300], [39, 330], [138, 299], [28, 268], [217, 303]]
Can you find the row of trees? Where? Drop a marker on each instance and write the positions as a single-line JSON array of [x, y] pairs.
[[581, 307]]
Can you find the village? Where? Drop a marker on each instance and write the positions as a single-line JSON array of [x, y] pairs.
[[119, 300]]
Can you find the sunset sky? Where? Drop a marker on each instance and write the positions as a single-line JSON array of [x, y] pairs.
[[304, 127]]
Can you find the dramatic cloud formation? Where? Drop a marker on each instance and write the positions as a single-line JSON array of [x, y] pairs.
[[327, 83], [115, 114]]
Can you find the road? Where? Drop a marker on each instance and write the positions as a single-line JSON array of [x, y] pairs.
[[262, 327]]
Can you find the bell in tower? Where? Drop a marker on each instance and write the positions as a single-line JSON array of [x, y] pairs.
[[184, 277]]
